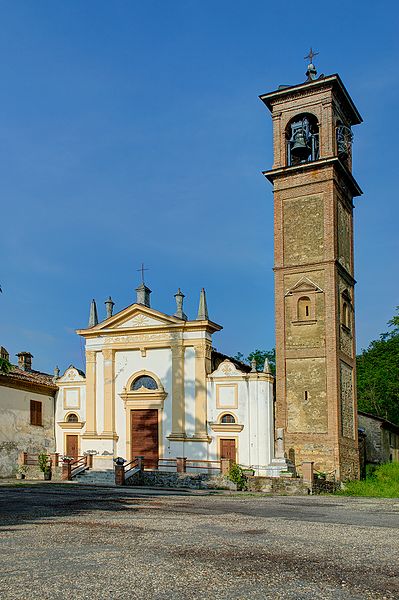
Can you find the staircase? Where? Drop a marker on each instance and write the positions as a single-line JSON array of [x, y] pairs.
[[94, 477]]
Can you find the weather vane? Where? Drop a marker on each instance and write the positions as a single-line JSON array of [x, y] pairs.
[[141, 270], [311, 54]]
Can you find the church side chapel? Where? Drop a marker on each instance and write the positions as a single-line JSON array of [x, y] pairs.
[[155, 387]]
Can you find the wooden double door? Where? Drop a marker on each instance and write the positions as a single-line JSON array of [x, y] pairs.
[[144, 436], [228, 449]]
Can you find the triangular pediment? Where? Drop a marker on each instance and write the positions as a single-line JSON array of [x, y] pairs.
[[136, 316], [303, 285]]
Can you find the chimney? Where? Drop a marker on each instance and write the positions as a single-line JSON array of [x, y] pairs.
[[25, 361], [4, 354], [143, 295]]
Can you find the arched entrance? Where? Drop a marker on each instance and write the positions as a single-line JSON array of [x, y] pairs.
[[144, 396]]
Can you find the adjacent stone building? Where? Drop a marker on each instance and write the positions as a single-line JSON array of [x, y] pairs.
[[27, 400], [381, 439]]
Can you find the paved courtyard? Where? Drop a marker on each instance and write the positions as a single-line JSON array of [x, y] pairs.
[[64, 541]]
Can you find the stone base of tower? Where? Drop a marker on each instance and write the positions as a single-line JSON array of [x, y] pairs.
[[339, 462]]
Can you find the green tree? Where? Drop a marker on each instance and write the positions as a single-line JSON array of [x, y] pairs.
[[5, 366], [260, 357], [378, 375]]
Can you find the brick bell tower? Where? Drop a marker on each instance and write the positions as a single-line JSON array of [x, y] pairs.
[[313, 265]]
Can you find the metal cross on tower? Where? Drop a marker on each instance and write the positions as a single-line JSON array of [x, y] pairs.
[[141, 270]]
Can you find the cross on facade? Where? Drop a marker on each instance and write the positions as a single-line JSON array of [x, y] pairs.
[[311, 54], [141, 270]]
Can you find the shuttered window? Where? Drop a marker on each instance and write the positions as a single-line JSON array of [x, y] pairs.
[[35, 412]]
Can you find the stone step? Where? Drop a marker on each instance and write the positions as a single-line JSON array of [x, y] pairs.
[[94, 477]]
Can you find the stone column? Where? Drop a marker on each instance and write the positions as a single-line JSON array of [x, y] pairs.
[[178, 409], [54, 457], [280, 442], [91, 423], [307, 472], [119, 475], [109, 393]]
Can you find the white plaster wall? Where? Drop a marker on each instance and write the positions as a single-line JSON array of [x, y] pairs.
[[16, 433], [255, 412], [61, 412], [128, 362]]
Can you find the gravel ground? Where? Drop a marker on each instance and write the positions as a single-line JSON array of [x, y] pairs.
[[73, 542]]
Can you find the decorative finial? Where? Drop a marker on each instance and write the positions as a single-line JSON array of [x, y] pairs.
[[202, 308], [56, 373], [109, 307], [93, 318], [266, 367], [253, 365], [311, 72], [179, 296]]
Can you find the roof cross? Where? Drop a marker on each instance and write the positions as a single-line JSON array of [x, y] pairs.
[[142, 269], [311, 54]]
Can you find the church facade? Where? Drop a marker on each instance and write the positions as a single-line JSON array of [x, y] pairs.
[[155, 387]]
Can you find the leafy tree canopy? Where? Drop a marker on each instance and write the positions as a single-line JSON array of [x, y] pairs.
[[260, 357], [5, 366], [378, 375]]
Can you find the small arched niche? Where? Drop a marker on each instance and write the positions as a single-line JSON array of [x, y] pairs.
[[302, 139], [304, 308]]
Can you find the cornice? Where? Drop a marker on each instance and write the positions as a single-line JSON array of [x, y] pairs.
[[323, 163], [309, 88]]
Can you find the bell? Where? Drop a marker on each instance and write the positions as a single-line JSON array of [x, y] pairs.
[[300, 148]]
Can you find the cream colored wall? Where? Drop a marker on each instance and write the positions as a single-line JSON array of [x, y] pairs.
[[16, 433]]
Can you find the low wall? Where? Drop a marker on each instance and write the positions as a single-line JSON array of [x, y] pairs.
[[33, 472], [278, 485], [200, 481]]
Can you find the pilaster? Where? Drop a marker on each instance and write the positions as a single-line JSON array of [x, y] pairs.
[[109, 391], [178, 409], [202, 353], [91, 425]]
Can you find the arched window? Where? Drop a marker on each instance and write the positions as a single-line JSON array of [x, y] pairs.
[[227, 419], [144, 381], [302, 136], [304, 308], [72, 418]]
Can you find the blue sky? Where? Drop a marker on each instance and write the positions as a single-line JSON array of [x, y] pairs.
[[132, 131]]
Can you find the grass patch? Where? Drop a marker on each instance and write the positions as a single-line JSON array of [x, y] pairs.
[[381, 482]]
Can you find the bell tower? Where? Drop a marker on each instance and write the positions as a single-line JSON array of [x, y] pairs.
[[313, 266]]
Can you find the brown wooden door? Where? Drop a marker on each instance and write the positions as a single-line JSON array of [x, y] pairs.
[[144, 436], [228, 449], [72, 446]]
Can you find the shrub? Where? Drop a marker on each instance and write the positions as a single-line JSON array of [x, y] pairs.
[[236, 475], [43, 462]]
